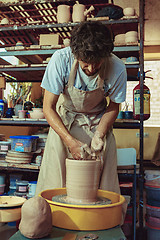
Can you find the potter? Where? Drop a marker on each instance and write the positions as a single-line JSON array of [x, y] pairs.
[[76, 81]]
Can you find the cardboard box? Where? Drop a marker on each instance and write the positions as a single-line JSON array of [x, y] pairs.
[[50, 39], [2, 82]]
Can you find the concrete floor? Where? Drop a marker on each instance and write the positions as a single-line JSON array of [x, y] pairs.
[[6, 231]]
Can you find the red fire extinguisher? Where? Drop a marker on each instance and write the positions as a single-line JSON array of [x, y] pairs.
[[146, 100]]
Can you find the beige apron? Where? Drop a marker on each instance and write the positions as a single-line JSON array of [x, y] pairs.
[[81, 112]]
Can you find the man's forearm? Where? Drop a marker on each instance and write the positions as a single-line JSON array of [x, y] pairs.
[[108, 119]]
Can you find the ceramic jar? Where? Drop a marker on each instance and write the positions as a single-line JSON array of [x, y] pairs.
[[37, 113], [63, 13], [21, 113], [78, 13], [82, 180]]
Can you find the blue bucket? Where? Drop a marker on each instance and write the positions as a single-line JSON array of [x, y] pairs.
[[152, 233], [153, 195]]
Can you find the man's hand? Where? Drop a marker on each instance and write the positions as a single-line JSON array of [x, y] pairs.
[[97, 142]]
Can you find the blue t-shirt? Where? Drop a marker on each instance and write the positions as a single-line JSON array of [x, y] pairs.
[[58, 69]]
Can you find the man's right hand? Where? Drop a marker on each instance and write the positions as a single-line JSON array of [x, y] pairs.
[[79, 150]]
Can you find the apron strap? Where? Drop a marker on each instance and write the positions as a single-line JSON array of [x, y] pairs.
[[100, 80], [72, 74]]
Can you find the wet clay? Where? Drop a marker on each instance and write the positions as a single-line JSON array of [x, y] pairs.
[[64, 199], [36, 218], [82, 180]]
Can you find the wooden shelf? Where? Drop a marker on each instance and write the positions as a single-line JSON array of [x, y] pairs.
[[124, 124], [22, 167]]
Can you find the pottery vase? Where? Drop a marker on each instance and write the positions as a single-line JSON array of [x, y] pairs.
[[63, 13], [82, 180], [10, 112]]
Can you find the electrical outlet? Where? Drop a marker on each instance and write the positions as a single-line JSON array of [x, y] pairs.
[[145, 135]]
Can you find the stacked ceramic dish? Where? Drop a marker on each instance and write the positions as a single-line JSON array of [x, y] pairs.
[[131, 37], [21, 189], [120, 39], [4, 147], [128, 38], [18, 157]]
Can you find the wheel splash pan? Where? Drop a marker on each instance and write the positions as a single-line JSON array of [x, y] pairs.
[[85, 217]]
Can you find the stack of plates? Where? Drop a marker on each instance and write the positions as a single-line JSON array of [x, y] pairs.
[[18, 157]]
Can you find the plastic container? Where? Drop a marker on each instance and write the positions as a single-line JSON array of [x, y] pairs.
[[19, 194], [22, 186], [152, 177], [153, 233], [2, 179], [153, 221], [13, 179], [2, 187], [126, 188], [34, 143], [120, 115], [152, 195], [32, 188], [11, 191], [1, 107], [5, 146], [23, 143], [153, 211], [128, 115]]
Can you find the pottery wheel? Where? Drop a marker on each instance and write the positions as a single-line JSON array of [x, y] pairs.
[[63, 199]]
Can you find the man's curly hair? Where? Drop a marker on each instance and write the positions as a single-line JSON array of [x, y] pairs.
[[91, 41]]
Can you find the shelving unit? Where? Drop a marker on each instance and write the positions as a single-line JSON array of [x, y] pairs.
[[32, 18]]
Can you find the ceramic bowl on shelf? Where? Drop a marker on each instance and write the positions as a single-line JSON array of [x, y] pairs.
[[129, 11], [4, 21], [131, 36], [37, 113], [120, 39], [19, 43], [131, 59]]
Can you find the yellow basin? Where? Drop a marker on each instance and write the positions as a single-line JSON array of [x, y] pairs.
[[85, 217]]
